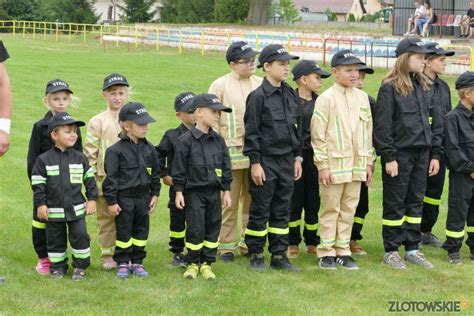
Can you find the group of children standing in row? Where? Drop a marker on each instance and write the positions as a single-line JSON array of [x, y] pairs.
[[274, 149]]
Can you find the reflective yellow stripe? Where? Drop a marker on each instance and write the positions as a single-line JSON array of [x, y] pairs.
[[294, 223], [452, 234], [210, 244], [321, 116], [193, 246], [122, 244], [340, 140], [413, 220], [470, 229], [256, 232], [327, 242], [388, 222], [107, 251], [39, 225], [311, 227], [431, 201], [138, 242], [228, 246], [178, 234], [231, 122], [278, 231], [359, 220]]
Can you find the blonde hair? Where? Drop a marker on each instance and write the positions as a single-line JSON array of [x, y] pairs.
[[74, 103], [399, 76], [462, 92]]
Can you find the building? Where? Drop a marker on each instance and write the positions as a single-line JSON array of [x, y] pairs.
[[109, 10]]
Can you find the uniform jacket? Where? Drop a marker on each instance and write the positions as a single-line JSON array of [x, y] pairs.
[[57, 179], [341, 133], [166, 148]]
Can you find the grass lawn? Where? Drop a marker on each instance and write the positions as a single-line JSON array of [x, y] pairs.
[[156, 78]]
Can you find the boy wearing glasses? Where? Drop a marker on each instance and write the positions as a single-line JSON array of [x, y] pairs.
[[233, 89]]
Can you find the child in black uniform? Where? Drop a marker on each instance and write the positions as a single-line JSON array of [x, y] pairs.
[[57, 179], [131, 188], [201, 170]]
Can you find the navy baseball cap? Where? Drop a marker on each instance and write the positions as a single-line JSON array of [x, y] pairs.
[[306, 67], [411, 45], [239, 50], [274, 52], [345, 57], [114, 80], [184, 102], [465, 80], [438, 50], [62, 118], [366, 69], [57, 85], [208, 100], [135, 112]]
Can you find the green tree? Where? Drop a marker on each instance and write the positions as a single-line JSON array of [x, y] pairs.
[[138, 11], [185, 11], [73, 11], [230, 11], [258, 12], [287, 10], [22, 10]]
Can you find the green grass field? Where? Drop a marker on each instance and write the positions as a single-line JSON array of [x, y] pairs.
[[156, 78]]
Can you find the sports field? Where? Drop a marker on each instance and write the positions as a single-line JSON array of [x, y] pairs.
[[156, 78]]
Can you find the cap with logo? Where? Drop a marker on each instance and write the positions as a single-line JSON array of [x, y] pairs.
[[411, 45], [306, 67], [274, 52], [465, 80], [135, 112], [438, 50], [208, 100], [345, 57], [239, 50], [184, 102], [62, 118], [366, 69], [57, 85], [113, 80]]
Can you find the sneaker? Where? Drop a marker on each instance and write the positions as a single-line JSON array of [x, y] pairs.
[[178, 260], [430, 239], [393, 260], [282, 263], [123, 271], [257, 263], [454, 258], [43, 266], [206, 272], [347, 263], [226, 257], [311, 250], [357, 249], [191, 271], [109, 264], [78, 274], [419, 259], [57, 274], [293, 251], [327, 263], [139, 270]]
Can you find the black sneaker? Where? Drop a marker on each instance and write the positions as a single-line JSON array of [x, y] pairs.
[[454, 258], [178, 260], [226, 257], [282, 263], [78, 274], [347, 263], [57, 274], [257, 263], [429, 239], [327, 263]]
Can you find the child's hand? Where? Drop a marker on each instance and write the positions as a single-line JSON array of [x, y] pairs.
[[226, 199], [91, 207], [391, 168], [153, 202], [472, 175], [43, 212], [370, 175], [179, 200], [298, 170], [434, 167], [114, 210], [168, 181], [325, 177], [258, 174]]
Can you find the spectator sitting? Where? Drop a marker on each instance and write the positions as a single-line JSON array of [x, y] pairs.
[[420, 13], [467, 22]]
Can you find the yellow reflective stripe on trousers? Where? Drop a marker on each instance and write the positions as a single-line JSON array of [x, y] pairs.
[[470, 229], [57, 256], [256, 233], [327, 242], [107, 251], [450, 233], [278, 231], [228, 245], [39, 225], [296, 223], [138, 242], [210, 244], [193, 246], [431, 201], [177, 234], [311, 226], [342, 243], [122, 244], [359, 220], [81, 253], [390, 222], [412, 220]]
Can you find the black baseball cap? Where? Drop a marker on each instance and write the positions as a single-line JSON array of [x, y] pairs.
[[62, 118], [135, 112], [465, 80], [208, 100], [411, 45], [345, 57], [306, 67], [57, 85], [239, 50], [274, 52], [184, 102], [438, 50], [366, 69], [114, 80]]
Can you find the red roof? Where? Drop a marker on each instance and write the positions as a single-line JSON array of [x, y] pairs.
[[337, 6]]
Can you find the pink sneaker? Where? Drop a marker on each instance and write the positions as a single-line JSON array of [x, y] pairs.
[[43, 266]]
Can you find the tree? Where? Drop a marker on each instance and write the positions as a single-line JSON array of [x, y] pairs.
[[138, 11], [287, 10], [73, 11], [230, 11], [22, 10], [185, 11], [258, 12]]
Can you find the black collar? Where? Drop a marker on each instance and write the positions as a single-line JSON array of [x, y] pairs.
[[269, 89]]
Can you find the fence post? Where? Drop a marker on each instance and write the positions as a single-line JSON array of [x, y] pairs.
[[57, 31], [289, 44], [256, 41], [136, 36], [472, 58], [34, 30], [85, 34], [70, 31], [14, 31], [228, 39], [24, 27], [386, 57], [324, 51], [157, 40], [180, 46], [101, 34], [117, 35], [202, 43]]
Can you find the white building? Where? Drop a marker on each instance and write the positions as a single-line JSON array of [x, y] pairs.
[[109, 10]]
